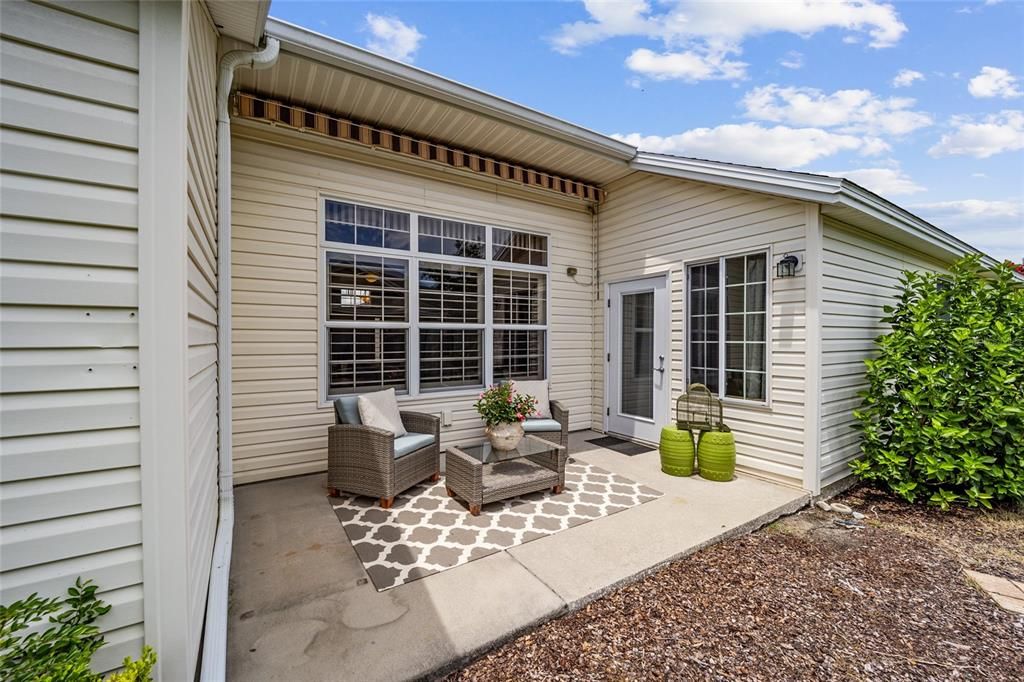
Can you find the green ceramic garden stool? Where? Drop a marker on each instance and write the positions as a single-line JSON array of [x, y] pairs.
[[676, 451], [716, 456]]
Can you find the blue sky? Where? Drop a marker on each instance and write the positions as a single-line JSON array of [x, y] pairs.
[[922, 102]]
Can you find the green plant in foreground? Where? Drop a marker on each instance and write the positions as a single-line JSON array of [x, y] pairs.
[[501, 404], [63, 652], [943, 417]]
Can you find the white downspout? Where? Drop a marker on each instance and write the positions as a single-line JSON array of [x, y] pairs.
[[215, 634]]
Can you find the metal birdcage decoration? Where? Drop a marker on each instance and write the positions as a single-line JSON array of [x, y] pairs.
[[699, 410]]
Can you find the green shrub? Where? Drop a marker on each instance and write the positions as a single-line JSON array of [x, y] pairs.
[[943, 417], [63, 652]]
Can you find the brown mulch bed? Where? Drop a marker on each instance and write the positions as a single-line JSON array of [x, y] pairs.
[[801, 599]]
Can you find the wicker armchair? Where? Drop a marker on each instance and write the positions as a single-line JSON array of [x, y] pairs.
[[561, 436], [361, 459]]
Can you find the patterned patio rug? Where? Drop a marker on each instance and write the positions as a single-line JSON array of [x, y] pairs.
[[426, 531]]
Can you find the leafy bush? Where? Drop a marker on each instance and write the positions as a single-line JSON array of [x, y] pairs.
[[501, 404], [943, 417], [61, 653]]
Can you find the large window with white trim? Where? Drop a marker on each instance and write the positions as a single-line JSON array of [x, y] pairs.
[[727, 326], [424, 303]]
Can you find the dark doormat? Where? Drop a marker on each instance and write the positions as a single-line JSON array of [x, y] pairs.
[[623, 447]]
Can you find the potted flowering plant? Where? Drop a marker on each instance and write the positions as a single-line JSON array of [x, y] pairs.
[[504, 411]]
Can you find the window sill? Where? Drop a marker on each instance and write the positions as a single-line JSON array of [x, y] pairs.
[[747, 404]]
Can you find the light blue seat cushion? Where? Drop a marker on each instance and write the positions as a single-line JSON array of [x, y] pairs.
[[534, 425], [411, 442], [346, 409]]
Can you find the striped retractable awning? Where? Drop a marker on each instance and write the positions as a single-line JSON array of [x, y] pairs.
[[252, 107]]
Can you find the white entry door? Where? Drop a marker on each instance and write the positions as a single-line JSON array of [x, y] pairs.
[[637, 347]]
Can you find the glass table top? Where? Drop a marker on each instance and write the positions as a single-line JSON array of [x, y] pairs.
[[529, 445]]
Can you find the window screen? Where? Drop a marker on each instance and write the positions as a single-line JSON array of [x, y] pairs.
[[518, 354], [511, 246], [452, 238], [359, 359]]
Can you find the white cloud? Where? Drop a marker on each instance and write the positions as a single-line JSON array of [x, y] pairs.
[[792, 60], [750, 143], [994, 82], [993, 134], [906, 77], [392, 37], [685, 66], [971, 209], [995, 227], [850, 110], [888, 182], [700, 38]]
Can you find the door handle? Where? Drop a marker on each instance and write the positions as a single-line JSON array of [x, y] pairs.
[[661, 364]]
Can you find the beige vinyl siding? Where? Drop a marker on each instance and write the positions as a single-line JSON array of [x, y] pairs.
[[201, 486], [652, 224], [860, 276], [69, 457], [279, 429]]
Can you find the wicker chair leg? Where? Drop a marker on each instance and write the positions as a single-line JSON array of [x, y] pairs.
[[451, 493], [386, 502], [474, 509], [435, 477], [556, 489], [333, 492]]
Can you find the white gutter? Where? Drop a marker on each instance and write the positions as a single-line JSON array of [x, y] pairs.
[[215, 634]]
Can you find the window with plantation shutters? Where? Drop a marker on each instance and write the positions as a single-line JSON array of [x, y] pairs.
[[424, 303]]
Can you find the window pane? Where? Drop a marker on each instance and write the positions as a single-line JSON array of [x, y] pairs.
[[518, 354], [451, 358], [756, 268], [511, 246], [755, 357], [361, 359], [733, 327], [755, 297], [354, 224], [734, 384], [754, 389], [451, 237], [711, 355], [636, 387], [734, 356], [519, 297], [734, 299], [755, 327], [734, 270], [451, 293], [366, 288]]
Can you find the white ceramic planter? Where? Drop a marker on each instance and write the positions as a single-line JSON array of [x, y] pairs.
[[505, 436]]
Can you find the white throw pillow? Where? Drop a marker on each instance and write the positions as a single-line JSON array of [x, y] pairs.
[[380, 409], [539, 390]]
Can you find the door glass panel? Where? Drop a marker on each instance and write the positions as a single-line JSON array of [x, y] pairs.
[[637, 366]]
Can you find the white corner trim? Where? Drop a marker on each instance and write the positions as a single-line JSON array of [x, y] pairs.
[[163, 333], [813, 267]]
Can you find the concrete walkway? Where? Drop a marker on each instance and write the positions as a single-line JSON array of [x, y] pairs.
[[301, 606]]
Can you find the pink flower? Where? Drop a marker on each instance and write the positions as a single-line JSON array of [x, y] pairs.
[[537, 413], [519, 417]]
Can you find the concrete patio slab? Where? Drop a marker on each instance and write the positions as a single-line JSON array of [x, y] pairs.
[[301, 606]]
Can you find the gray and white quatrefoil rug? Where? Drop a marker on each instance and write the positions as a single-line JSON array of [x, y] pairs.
[[427, 532]]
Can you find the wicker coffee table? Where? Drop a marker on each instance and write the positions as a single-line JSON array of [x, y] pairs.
[[479, 474]]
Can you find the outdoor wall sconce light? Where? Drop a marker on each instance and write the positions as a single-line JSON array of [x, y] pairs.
[[571, 271], [787, 266]]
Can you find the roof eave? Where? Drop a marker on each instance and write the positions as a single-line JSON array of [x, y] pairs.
[[821, 189], [304, 42]]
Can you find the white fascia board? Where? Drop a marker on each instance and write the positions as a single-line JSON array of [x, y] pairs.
[[860, 199], [821, 189], [306, 43]]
